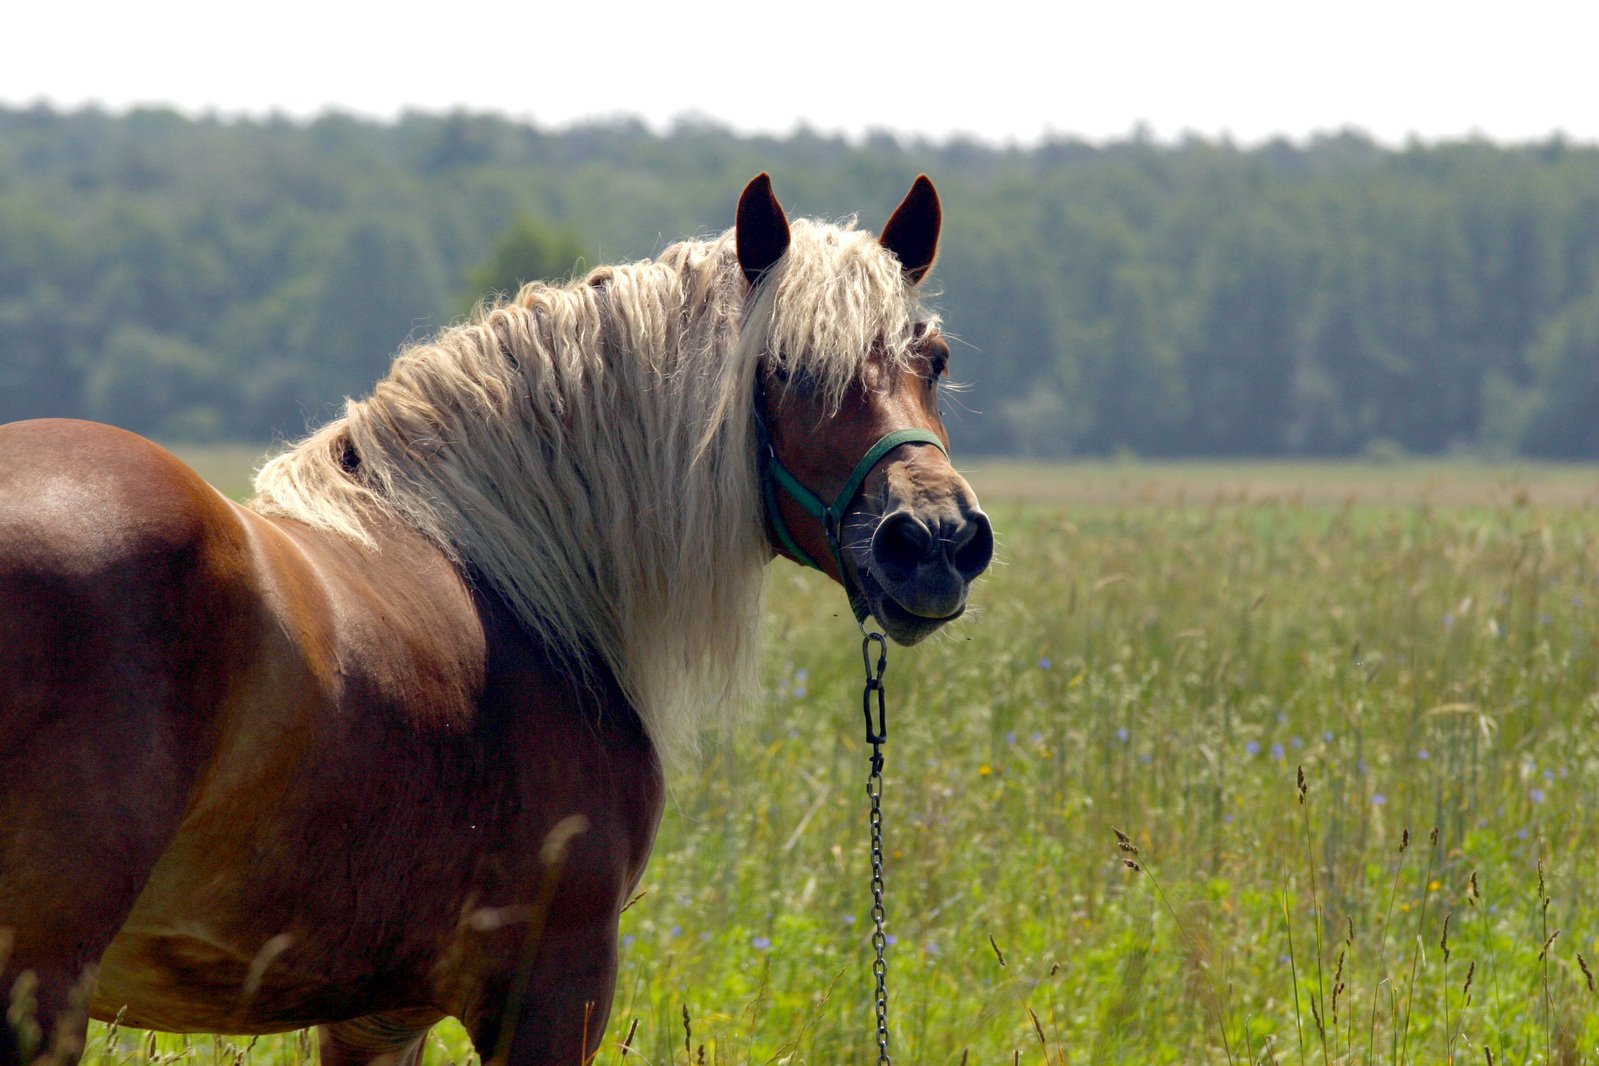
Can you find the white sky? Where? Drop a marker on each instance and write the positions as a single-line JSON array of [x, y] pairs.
[[1002, 72]]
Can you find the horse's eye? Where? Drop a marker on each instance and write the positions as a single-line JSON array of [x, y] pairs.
[[793, 377]]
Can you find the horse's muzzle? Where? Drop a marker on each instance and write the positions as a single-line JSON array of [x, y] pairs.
[[919, 568]]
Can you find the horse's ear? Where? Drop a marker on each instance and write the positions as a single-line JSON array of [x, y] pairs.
[[912, 231], [761, 228]]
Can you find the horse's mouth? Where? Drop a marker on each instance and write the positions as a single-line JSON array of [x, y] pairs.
[[901, 623]]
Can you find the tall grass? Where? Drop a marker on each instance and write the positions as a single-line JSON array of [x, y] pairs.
[[1166, 671]]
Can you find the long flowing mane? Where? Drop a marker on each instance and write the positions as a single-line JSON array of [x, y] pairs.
[[587, 451]]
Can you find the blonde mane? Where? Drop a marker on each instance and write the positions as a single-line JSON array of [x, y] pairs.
[[587, 450]]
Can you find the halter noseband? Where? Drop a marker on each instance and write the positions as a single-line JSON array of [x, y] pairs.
[[775, 476]]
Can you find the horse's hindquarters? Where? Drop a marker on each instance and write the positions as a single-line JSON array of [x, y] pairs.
[[122, 576]]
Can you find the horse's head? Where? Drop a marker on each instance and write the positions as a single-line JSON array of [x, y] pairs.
[[855, 473]]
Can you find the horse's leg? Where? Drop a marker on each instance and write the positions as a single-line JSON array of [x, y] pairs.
[[392, 1039], [553, 1010]]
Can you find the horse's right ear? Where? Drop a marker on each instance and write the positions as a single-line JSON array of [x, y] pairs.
[[761, 229]]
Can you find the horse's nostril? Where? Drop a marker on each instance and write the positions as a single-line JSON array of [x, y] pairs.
[[974, 546], [900, 543]]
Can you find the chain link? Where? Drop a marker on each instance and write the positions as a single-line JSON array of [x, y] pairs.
[[876, 735]]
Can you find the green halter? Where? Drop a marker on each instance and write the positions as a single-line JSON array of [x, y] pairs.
[[775, 476]]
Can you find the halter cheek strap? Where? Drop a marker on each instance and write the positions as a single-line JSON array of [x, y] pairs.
[[776, 477]]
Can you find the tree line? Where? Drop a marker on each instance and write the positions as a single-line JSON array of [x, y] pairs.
[[205, 279]]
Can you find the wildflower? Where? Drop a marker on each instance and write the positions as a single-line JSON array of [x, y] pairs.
[[1277, 752], [984, 770], [1378, 799], [1122, 734], [1424, 755], [1536, 795], [762, 943], [1044, 664], [1253, 747], [1449, 620]]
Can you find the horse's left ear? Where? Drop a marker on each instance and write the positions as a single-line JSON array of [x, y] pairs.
[[761, 228], [912, 231]]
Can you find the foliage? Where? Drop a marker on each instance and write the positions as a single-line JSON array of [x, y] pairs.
[[528, 251], [1192, 299], [1162, 670]]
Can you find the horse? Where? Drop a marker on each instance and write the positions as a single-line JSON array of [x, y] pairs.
[[387, 744]]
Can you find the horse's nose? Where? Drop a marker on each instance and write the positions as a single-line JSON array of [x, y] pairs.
[[905, 548]]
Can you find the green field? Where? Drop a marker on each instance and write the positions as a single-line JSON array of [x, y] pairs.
[[1159, 651]]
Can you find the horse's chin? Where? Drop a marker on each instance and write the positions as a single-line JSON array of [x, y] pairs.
[[899, 622]]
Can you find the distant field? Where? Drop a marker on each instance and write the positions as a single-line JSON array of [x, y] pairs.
[[1160, 650], [1439, 482]]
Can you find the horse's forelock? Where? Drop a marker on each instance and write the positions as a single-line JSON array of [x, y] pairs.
[[837, 297]]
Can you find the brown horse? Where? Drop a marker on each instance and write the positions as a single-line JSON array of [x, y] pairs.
[[387, 744]]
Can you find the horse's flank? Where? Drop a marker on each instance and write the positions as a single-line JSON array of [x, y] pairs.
[[578, 448]]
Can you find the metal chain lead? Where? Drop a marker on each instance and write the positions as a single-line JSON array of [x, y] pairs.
[[876, 734]]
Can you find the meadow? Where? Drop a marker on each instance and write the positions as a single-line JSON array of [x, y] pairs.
[[1228, 765]]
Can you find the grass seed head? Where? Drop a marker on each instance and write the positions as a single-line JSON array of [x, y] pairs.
[[1547, 944]]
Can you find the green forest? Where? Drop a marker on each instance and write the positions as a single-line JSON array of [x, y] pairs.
[[202, 279]]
